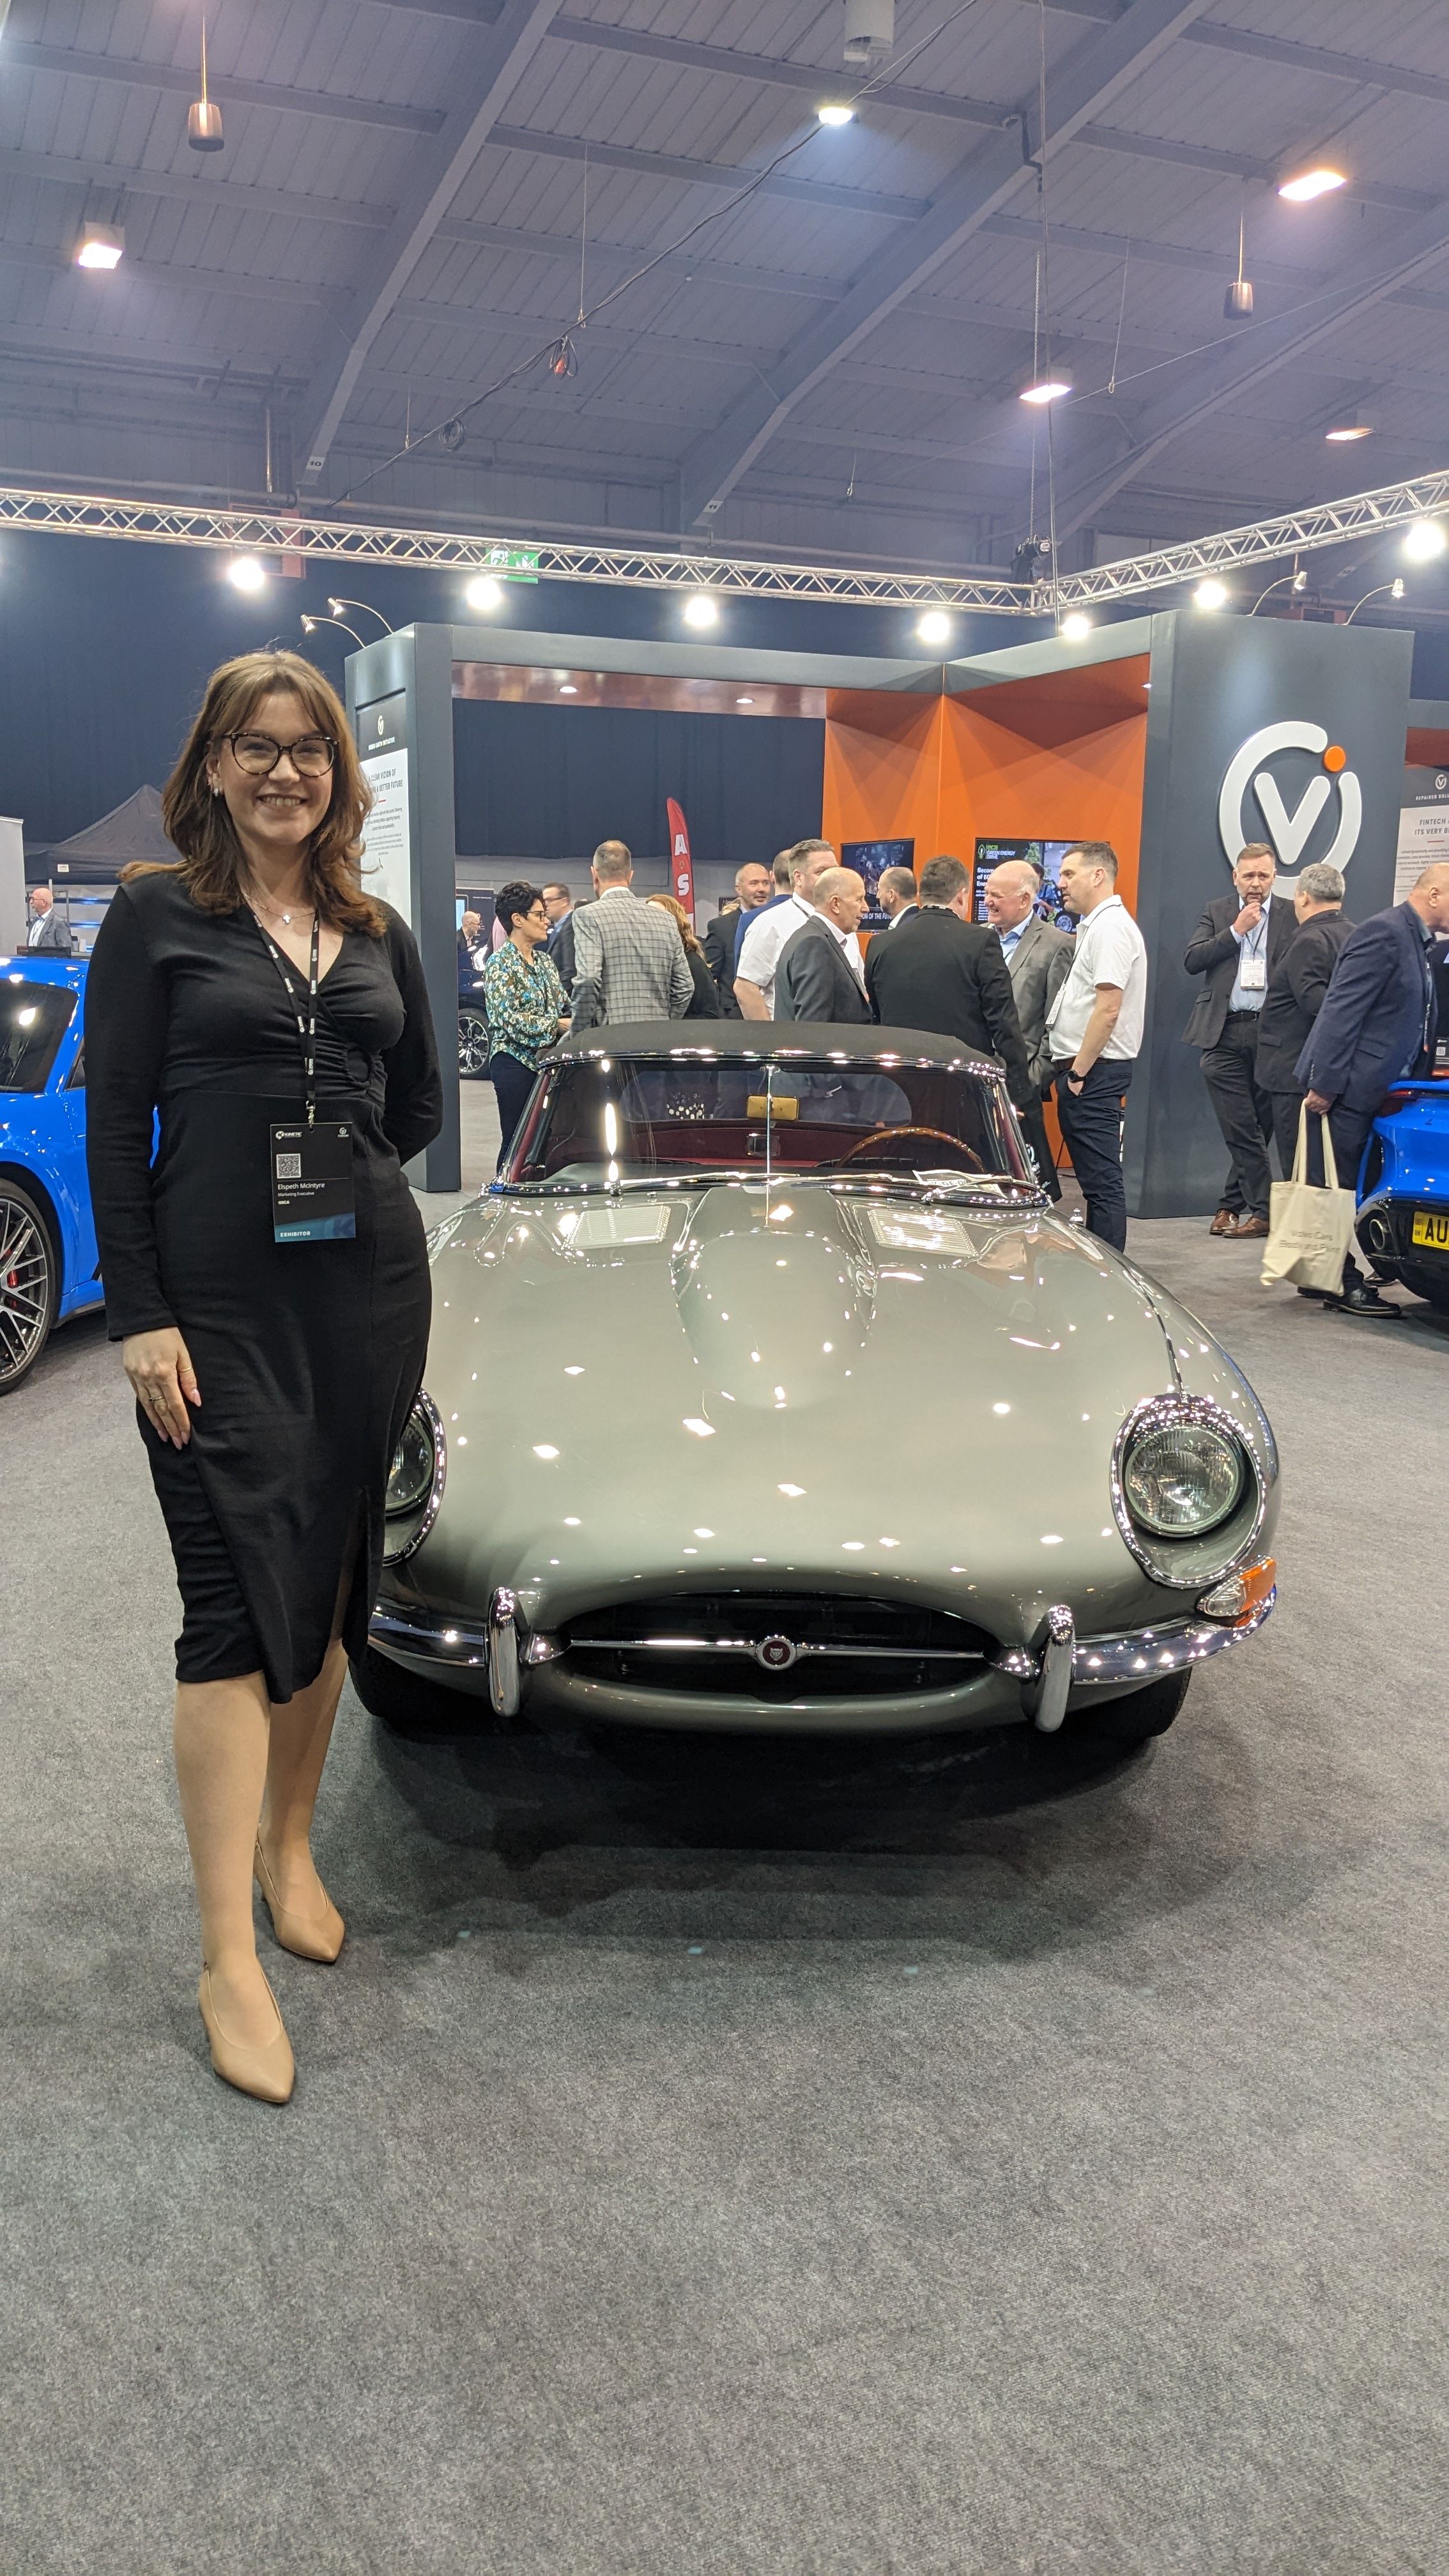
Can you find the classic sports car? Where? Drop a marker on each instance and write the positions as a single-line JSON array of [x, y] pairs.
[[766, 1391], [48, 1268], [1403, 1213]]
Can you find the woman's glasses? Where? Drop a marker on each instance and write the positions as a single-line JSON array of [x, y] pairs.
[[258, 755]]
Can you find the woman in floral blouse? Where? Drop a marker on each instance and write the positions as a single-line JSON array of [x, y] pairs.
[[525, 1002]]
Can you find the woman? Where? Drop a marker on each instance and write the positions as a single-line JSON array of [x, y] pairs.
[[525, 1002], [706, 1004], [266, 1277]]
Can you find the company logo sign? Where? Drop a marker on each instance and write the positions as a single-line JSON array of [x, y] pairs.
[[1288, 833]]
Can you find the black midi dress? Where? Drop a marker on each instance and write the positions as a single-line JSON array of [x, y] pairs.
[[307, 1355]]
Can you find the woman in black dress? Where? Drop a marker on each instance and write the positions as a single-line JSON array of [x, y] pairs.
[[273, 1370]]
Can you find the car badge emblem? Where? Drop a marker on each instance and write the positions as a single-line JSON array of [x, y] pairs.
[[777, 1654]]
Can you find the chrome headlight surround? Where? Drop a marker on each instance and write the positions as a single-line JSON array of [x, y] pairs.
[[417, 1518], [1191, 1562]]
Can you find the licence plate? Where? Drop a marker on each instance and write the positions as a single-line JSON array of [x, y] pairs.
[[1431, 1226]]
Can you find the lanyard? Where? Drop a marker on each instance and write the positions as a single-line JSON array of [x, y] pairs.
[[306, 1028]]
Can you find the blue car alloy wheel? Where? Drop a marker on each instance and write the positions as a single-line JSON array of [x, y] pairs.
[[27, 1284]]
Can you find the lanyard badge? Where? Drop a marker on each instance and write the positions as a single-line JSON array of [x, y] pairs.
[[311, 1164]]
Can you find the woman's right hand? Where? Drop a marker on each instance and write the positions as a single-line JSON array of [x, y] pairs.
[[159, 1368]]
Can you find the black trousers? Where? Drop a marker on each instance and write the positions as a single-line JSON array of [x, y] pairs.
[[1285, 1106], [1033, 1128], [512, 1082], [1092, 1125], [1244, 1113]]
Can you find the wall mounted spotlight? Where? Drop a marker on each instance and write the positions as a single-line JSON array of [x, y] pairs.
[[100, 246], [1297, 582], [1395, 590], [1308, 184], [701, 609], [1075, 628], [1047, 389], [335, 608], [203, 116], [1424, 541], [835, 111], [484, 594], [311, 624], [248, 573], [1210, 594]]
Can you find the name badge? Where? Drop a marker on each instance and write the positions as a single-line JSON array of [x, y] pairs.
[[1253, 974], [312, 1194]]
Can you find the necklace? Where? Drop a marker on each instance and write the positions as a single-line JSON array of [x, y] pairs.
[[260, 903]]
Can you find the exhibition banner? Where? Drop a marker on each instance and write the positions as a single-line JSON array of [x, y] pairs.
[[681, 865], [1423, 826], [382, 746]]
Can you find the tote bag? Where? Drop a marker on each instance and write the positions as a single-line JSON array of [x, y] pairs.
[[1309, 1229]]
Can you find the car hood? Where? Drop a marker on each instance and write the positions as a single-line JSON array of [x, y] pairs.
[[679, 1389]]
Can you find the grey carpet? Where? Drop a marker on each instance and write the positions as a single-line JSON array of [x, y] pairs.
[[743, 2159]]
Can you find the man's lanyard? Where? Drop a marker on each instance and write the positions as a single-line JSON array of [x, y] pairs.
[[306, 1027]]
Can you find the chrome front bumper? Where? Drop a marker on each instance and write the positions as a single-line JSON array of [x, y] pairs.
[[1056, 1664]]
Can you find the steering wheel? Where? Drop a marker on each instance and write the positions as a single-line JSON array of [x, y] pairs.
[[934, 1135]]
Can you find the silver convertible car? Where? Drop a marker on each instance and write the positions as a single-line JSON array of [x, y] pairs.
[[766, 1391]]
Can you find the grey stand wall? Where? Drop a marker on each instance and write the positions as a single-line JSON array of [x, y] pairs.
[[400, 697], [1215, 682]]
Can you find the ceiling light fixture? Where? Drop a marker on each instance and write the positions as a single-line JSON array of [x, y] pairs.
[[1347, 431], [1210, 594], [485, 593], [1238, 301], [1424, 541], [245, 572], [567, 689], [1075, 627], [834, 111], [1318, 182], [701, 609], [744, 702], [100, 246], [203, 116], [1047, 389], [934, 627]]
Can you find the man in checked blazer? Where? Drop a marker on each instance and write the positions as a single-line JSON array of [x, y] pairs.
[[630, 958], [1038, 960]]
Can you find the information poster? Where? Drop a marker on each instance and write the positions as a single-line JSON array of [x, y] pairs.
[[1423, 826], [1045, 855], [869, 860], [387, 841]]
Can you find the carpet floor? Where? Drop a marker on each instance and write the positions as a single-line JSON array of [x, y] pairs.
[[746, 2160]]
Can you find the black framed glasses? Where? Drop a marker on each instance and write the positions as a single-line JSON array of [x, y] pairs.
[[256, 753]]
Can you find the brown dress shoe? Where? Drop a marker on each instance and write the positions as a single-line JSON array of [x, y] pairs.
[[1224, 1222], [1251, 1225]]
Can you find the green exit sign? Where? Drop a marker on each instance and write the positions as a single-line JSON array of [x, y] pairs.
[[518, 563]]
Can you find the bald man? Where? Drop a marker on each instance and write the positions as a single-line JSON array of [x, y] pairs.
[[1038, 960], [1378, 1025]]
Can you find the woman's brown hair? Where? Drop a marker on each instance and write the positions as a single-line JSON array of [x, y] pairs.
[[667, 903], [199, 825]]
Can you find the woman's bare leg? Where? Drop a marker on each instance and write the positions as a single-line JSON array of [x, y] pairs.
[[222, 1731], [301, 1730]]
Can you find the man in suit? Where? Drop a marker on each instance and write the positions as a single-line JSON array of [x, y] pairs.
[[1038, 960], [945, 973], [1378, 1024], [1235, 948], [1294, 998], [818, 974], [753, 888], [631, 960], [48, 928], [558, 903], [896, 895]]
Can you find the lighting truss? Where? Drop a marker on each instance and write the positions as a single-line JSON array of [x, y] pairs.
[[276, 532]]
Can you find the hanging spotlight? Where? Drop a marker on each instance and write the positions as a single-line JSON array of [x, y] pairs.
[[245, 572], [1075, 627], [1031, 559], [835, 111], [452, 435], [1318, 182], [1210, 594], [870, 32], [485, 593], [100, 246], [1238, 301], [1047, 389], [701, 609], [1424, 541], [934, 627], [203, 116]]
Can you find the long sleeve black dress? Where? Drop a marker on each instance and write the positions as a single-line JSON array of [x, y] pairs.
[[308, 1355]]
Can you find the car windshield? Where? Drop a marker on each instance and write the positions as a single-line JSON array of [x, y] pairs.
[[33, 1020], [608, 1121]]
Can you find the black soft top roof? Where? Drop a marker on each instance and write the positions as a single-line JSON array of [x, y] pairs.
[[773, 1042]]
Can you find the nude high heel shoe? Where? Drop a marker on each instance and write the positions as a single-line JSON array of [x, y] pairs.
[[309, 1936], [267, 2072]]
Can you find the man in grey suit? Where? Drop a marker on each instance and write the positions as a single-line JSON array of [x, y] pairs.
[[630, 957], [1038, 960], [819, 975], [48, 928]]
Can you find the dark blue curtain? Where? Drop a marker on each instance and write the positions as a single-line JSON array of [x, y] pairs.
[[550, 783]]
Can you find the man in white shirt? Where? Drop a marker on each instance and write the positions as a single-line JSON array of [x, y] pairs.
[[1094, 1029], [763, 941]]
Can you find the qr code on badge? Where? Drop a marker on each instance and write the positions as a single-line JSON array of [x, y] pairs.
[[289, 1167]]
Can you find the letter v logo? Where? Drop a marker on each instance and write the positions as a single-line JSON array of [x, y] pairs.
[[1287, 832]]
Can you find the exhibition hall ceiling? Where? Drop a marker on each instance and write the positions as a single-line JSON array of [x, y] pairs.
[[416, 198]]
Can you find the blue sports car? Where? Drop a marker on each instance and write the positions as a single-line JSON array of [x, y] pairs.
[[1403, 1213], [48, 1267]]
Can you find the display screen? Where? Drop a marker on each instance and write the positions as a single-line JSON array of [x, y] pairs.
[[1045, 855], [869, 859]]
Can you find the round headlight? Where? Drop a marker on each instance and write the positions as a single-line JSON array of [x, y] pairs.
[[1182, 1480], [413, 1468]]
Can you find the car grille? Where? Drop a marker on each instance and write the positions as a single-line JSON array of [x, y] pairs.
[[774, 1646]]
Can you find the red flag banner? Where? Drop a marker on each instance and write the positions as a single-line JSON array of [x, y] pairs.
[[681, 865]]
